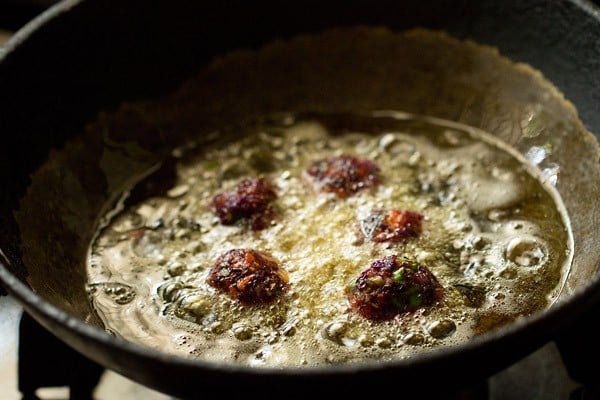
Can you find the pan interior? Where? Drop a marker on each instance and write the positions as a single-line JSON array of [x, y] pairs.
[[342, 72]]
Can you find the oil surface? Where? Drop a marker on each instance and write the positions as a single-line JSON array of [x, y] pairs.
[[495, 234]]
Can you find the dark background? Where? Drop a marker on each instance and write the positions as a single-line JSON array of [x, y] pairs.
[[15, 13]]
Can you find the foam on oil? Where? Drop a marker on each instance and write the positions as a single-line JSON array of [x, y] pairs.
[[495, 234]]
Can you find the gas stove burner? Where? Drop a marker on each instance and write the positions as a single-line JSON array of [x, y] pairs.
[[45, 361]]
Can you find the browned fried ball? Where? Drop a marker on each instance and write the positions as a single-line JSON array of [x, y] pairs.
[[393, 286], [250, 276], [344, 175], [251, 202], [392, 225]]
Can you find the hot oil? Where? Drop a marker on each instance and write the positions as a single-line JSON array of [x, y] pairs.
[[495, 233]]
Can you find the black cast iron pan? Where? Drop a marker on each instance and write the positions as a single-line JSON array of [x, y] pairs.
[[80, 57]]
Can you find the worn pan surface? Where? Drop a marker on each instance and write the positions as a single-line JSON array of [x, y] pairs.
[[81, 57]]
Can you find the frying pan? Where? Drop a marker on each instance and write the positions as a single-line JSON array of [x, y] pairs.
[[81, 57]]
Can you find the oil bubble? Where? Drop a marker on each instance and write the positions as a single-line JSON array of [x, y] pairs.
[[395, 146], [241, 331], [176, 268], [168, 291], [195, 304], [414, 339], [365, 340], [509, 273], [178, 191], [525, 252], [289, 328], [120, 293], [384, 342], [441, 329], [337, 332], [128, 222]]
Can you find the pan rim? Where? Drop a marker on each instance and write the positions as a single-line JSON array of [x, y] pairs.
[[34, 303]]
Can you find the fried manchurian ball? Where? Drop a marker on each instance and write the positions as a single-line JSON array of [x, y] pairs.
[[250, 201], [250, 276], [392, 225], [392, 286], [344, 175]]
